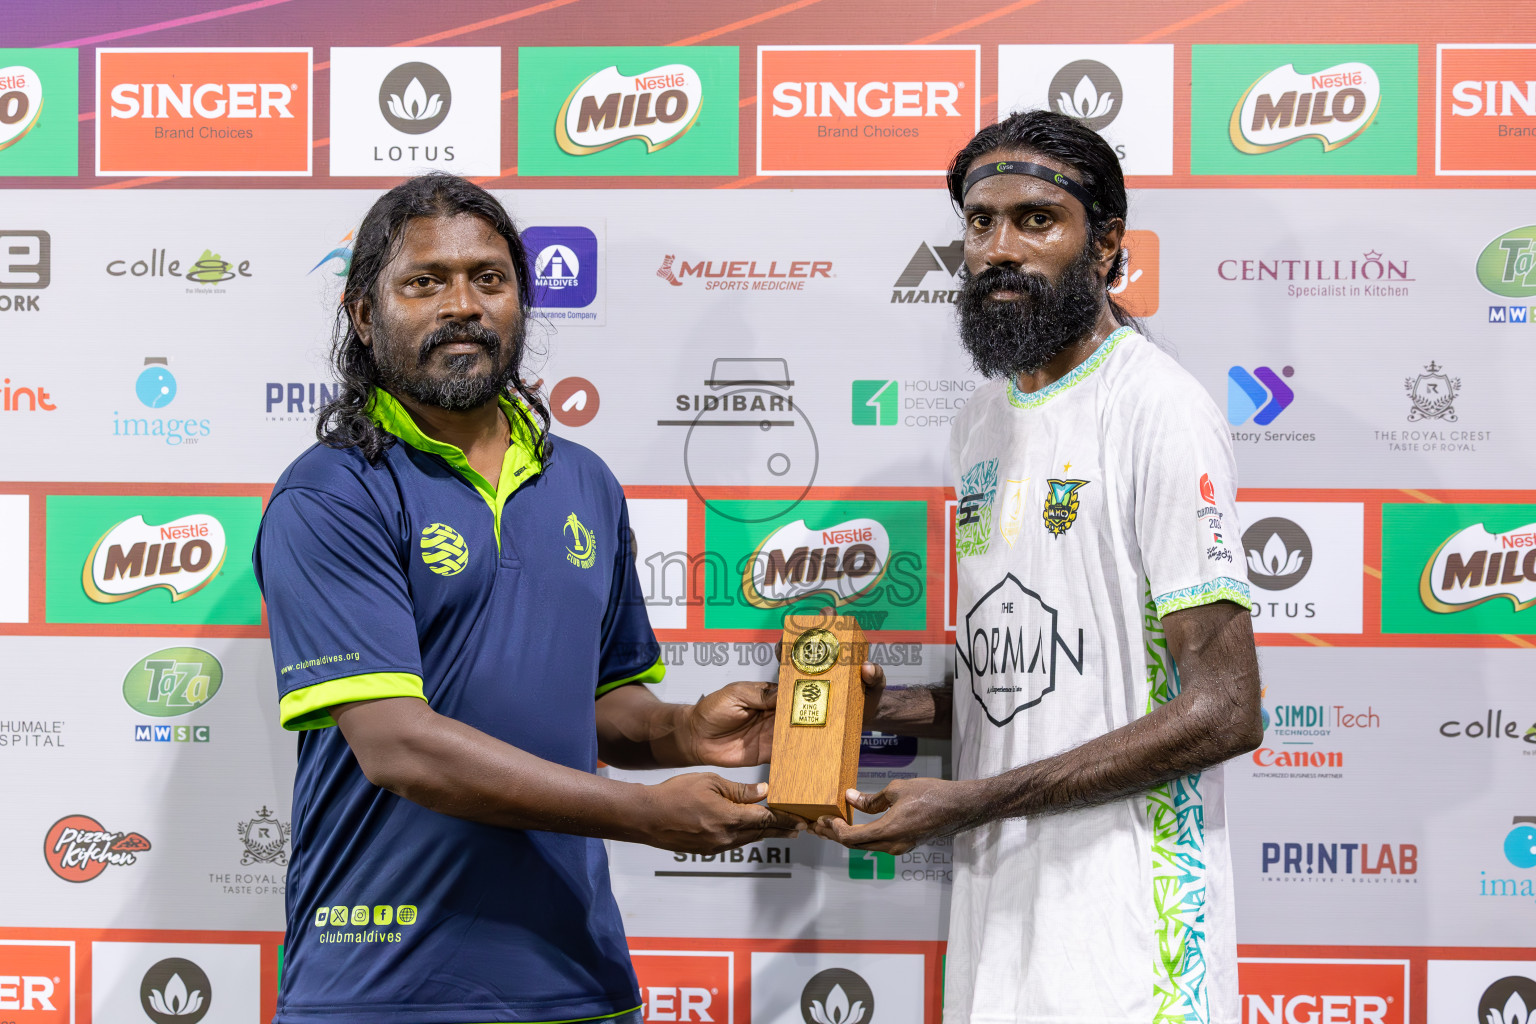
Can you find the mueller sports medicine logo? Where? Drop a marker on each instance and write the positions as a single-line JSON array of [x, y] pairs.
[[1473, 566], [1338, 991], [657, 107], [1333, 105], [134, 557], [78, 848], [773, 275], [842, 562], [891, 110], [1009, 647], [203, 112], [1485, 109]]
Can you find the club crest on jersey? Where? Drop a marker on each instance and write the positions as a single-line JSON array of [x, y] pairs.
[[973, 512], [443, 549], [581, 551], [1061, 505]]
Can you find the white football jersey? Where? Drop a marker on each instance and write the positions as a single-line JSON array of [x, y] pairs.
[[1086, 512]]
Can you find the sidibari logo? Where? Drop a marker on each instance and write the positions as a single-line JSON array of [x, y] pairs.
[[1285, 106], [133, 557], [415, 98], [837, 996], [607, 108], [443, 549], [78, 848], [1507, 265], [176, 991], [842, 562], [172, 682], [581, 548], [1473, 566]]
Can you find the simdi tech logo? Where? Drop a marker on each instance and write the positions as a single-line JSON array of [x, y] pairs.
[[627, 110], [199, 113], [1304, 110], [1458, 568], [152, 559], [865, 110], [1485, 108], [39, 112]]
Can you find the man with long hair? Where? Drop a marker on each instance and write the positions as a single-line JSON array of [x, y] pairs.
[[1105, 656], [458, 630]]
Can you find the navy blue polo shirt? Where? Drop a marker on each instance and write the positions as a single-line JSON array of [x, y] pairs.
[[507, 608]]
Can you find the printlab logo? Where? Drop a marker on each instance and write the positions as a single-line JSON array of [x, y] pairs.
[[837, 996], [948, 260], [1259, 395], [78, 848], [1010, 643], [563, 262], [39, 111], [397, 111], [26, 264], [298, 400], [176, 991], [1432, 394], [414, 98], [1279, 553], [265, 839], [172, 682], [1485, 114], [1510, 1000]]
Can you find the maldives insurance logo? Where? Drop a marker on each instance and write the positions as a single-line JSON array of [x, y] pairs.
[[868, 110], [221, 111], [39, 112], [1304, 110], [627, 110]]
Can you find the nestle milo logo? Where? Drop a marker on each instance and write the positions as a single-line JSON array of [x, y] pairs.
[[842, 561], [1507, 265], [133, 557], [172, 682]]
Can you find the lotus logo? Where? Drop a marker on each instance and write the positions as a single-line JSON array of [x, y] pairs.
[[1285, 106], [841, 562], [1510, 1000], [1087, 90], [1279, 553], [605, 109], [837, 996], [1474, 566], [176, 991], [414, 98], [133, 557]]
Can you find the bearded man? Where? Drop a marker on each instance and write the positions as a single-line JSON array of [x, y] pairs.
[[458, 630], [1105, 659]]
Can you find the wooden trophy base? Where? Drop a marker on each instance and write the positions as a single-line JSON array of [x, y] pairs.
[[819, 718]]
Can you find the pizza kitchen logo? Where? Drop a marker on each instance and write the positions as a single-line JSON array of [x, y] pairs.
[[78, 848], [134, 557]]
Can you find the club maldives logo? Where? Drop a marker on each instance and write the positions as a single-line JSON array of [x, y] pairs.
[[172, 682], [443, 549], [39, 111], [1258, 395], [1485, 110], [175, 991], [78, 848], [627, 110], [580, 544], [134, 557]]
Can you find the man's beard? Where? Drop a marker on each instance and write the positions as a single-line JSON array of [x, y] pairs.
[[1006, 338], [455, 387]]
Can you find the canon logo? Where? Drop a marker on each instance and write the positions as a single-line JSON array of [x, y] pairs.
[[871, 99], [1493, 98], [666, 1003], [212, 101], [1307, 1009], [26, 992]]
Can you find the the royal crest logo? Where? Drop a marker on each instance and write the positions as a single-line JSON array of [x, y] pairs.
[[1433, 395], [842, 562], [265, 839], [657, 107], [78, 848], [973, 512], [581, 548], [1061, 505], [1285, 106], [443, 549], [1474, 566], [133, 557]]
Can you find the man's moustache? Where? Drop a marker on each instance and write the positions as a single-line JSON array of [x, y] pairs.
[[474, 334]]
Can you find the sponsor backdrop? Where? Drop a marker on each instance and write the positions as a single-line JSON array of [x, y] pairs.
[[745, 271]]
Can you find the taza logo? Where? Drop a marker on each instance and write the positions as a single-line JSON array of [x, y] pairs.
[[1285, 106], [172, 682], [78, 848], [607, 108], [1507, 265], [133, 557], [842, 562], [414, 98], [1279, 553], [176, 991], [837, 996]]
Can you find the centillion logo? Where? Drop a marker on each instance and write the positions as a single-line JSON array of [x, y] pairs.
[[443, 549]]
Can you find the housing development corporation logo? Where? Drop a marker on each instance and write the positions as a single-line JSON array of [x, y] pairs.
[[868, 110], [627, 110], [1485, 108], [39, 112], [220, 111], [79, 848], [1304, 110]]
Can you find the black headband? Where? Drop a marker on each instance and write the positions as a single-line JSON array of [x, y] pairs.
[[1076, 190]]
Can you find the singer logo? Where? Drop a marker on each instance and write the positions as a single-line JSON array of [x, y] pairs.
[[1309, 991], [37, 981], [203, 112], [896, 110], [684, 988], [1485, 109]]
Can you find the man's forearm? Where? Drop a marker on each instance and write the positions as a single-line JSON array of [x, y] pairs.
[[915, 711]]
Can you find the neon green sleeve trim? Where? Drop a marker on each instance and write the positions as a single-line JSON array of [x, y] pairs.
[[1223, 588], [654, 674], [310, 707]]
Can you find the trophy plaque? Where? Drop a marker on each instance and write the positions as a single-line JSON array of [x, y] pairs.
[[819, 718]]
